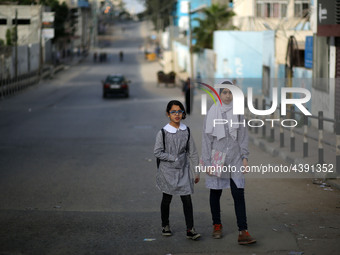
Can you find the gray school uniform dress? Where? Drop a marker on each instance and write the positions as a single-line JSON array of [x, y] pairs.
[[234, 149], [175, 175]]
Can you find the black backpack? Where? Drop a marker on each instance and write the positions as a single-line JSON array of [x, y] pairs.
[[163, 135]]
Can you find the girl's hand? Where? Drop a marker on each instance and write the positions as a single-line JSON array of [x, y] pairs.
[[197, 179], [245, 164]]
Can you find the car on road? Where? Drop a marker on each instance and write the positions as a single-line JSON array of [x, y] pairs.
[[115, 84]]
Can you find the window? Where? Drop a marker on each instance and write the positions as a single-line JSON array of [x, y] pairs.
[[301, 8], [115, 79], [283, 10], [267, 12], [22, 21], [271, 9], [3, 21], [276, 10]]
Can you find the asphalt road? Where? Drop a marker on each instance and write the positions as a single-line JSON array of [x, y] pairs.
[[77, 173]]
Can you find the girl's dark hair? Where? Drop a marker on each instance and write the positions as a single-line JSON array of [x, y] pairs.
[[178, 103], [225, 82]]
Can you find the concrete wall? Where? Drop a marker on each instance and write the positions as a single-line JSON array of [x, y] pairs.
[[28, 61], [34, 57], [244, 8], [181, 59], [240, 56], [166, 62], [26, 33], [23, 60], [205, 64]]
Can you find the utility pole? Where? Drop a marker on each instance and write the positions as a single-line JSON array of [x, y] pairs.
[[16, 44], [190, 44], [171, 42], [40, 42]]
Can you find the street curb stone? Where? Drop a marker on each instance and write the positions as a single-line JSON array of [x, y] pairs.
[[275, 152]]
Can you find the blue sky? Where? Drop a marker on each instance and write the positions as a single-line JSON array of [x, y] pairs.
[[134, 5]]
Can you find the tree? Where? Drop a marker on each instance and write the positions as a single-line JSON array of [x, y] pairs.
[[8, 37], [216, 17], [15, 35], [159, 11], [60, 17]]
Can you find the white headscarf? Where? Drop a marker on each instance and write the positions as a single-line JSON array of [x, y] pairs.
[[215, 112]]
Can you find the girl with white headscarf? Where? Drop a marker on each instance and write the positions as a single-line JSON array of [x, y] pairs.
[[231, 140]]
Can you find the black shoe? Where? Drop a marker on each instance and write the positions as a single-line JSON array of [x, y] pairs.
[[192, 234], [166, 231]]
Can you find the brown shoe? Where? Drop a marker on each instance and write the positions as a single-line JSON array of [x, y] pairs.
[[217, 232], [245, 238]]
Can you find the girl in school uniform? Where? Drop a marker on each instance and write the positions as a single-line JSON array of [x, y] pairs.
[[174, 175], [232, 141]]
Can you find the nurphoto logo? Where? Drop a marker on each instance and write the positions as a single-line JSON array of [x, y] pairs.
[[239, 102]]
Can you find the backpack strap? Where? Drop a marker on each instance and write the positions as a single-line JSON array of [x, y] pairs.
[[163, 136], [187, 146], [239, 118]]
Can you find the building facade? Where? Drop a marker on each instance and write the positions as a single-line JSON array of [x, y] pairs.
[[26, 18]]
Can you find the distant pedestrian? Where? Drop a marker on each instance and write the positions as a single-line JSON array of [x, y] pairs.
[[146, 53], [226, 145], [58, 58], [188, 95], [121, 56], [174, 149], [95, 57]]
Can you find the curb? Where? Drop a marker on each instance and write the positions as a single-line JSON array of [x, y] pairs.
[[275, 152], [54, 70], [334, 183]]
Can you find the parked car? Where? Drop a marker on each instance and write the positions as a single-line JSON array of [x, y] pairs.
[[115, 84]]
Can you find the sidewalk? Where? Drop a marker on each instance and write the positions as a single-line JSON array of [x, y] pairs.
[[296, 157], [286, 215], [66, 62], [13, 86], [272, 147]]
